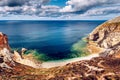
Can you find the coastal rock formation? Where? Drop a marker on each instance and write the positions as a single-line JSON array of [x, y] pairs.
[[5, 55], [25, 61], [4, 42], [105, 39]]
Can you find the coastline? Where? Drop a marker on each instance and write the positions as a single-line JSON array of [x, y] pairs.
[[57, 63], [102, 63]]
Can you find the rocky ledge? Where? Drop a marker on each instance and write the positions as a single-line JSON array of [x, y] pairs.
[[104, 40]]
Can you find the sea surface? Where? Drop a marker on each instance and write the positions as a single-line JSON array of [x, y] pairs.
[[53, 38]]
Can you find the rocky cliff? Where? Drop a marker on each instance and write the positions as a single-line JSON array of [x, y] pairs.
[[105, 39], [6, 57], [9, 57]]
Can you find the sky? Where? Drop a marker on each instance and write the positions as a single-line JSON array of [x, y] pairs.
[[59, 9]]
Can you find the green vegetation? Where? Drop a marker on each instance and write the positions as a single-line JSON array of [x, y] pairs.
[[38, 55], [15, 49], [79, 49]]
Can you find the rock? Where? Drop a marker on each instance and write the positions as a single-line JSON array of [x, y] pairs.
[[5, 55], [23, 50], [8, 58], [105, 39], [1, 60], [25, 61], [4, 41], [17, 56]]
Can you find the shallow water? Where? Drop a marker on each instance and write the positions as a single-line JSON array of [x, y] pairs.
[[53, 38], [56, 63]]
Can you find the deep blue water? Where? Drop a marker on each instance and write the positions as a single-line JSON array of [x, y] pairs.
[[53, 38]]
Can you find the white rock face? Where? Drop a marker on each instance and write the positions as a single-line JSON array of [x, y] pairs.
[[5, 55], [19, 59], [105, 38], [7, 58]]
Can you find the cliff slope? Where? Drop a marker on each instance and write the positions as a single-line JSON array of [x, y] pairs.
[[105, 39]]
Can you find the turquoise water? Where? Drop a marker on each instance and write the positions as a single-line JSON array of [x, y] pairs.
[[53, 38]]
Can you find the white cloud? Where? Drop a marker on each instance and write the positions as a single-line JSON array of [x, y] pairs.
[[102, 11], [27, 7], [28, 10], [74, 9], [84, 5]]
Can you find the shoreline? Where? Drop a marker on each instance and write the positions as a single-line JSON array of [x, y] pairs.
[[56, 63]]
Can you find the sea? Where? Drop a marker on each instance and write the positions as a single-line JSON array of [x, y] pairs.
[[53, 38]]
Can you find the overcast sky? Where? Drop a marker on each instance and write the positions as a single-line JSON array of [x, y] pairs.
[[59, 9]]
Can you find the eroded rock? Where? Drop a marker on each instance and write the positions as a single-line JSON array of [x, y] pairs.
[[25, 61], [5, 55], [105, 39], [8, 58]]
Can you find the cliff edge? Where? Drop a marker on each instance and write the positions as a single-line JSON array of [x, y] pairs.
[[105, 39], [7, 57]]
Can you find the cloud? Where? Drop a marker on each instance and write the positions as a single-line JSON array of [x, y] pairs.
[[73, 8], [27, 7], [102, 11], [84, 5], [13, 3], [29, 10]]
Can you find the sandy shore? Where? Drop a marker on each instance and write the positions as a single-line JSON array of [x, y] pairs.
[[56, 63]]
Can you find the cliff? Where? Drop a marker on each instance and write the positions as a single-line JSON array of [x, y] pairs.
[[104, 40], [6, 57], [9, 57]]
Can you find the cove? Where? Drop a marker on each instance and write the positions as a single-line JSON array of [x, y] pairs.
[[52, 38]]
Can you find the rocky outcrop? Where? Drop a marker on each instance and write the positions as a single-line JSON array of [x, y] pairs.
[[105, 39], [6, 57], [4, 42], [25, 61]]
